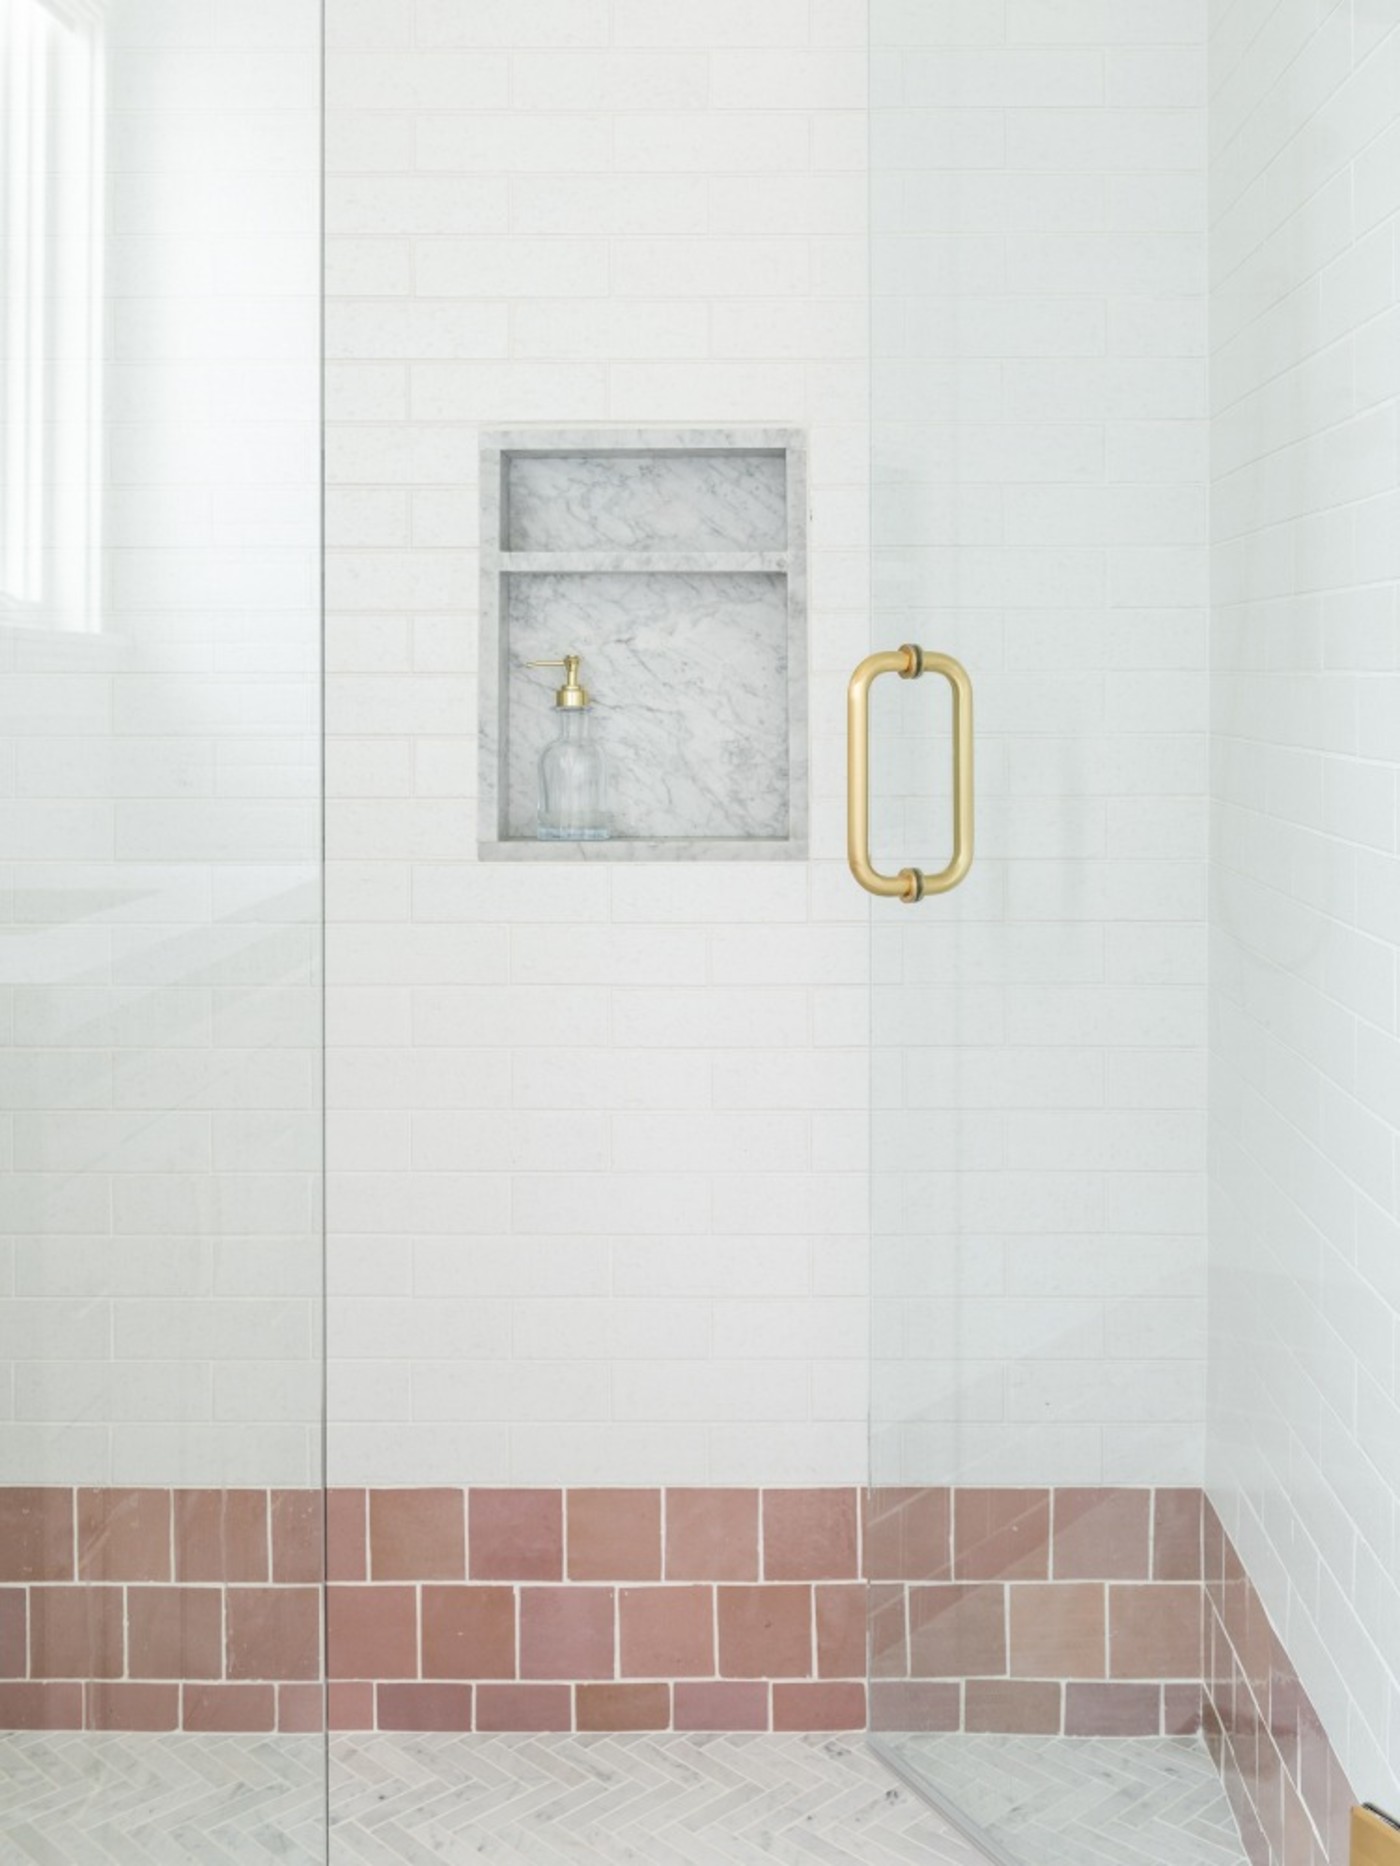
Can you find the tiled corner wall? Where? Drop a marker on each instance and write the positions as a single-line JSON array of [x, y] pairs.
[[685, 1608], [1304, 1408], [1286, 1784]]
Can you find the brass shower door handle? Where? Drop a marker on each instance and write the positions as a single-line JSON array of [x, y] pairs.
[[910, 884]]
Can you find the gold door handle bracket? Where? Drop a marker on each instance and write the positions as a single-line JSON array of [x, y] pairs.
[[910, 884]]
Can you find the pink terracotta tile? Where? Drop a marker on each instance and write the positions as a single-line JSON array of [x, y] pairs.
[[1012, 1704], [75, 1632], [298, 1536], [566, 1632], [889, 1629], [623, 1707], [1251, 1833], [1113, 1710], [468, 1632], [175, 1632], [301, 1708], [273, 1632], [1257, 1653], [711, 1535], [36, 1534], [1314, 1760], [810, 1535], [1154, 1631], [1212, 1545], [417, 1535], [666, 1632], [425, 1707], [1177, 1536], [1101, 1535], [221, 1535], [1182, 1710], [1268, 1792], [1340, 1800], [372, 1632], [1234, 1589], [229, 1707], [349, 1706], [765, 1632], [347, 1535], [720, 1705], [515, 1535], [906, 1705], [842, 1620], [41, 1706], [1298, 1844], [824, 1706], [1058, 1630], [614, 1535], [14, 1633], [908, 1534], [1285, 1709], [957, 1631], [1268, 1796], [132, 1707], [1001, 1535], [124, 1535], [524, 1707]]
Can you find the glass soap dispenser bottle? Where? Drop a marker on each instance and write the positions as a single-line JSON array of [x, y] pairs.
[[573, 803]]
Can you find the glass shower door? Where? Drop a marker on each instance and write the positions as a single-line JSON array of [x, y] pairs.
[[1038, 1292], [161, 1691]]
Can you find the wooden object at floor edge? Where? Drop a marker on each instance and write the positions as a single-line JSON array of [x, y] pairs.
[[1374, 1842]]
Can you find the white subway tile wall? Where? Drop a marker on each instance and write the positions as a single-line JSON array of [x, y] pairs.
[[1304, 1460], [159, 804], [599, 1201], [598, 1195], [1038, 175]]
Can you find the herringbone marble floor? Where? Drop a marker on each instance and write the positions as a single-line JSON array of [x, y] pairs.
[[88, 1799], [404, 1800], [658, 1800], [108, 1800], [1101, 1801]]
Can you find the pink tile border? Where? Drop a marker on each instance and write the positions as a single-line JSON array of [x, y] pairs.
[[639, 1609], [1289, 1792]]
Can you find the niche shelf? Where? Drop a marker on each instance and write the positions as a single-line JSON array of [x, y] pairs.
[[674, 560]]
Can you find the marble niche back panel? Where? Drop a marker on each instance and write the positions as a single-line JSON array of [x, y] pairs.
[[689, 682], [646, 502], [674, 563]]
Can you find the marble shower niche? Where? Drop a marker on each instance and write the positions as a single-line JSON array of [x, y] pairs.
[[674, 562]]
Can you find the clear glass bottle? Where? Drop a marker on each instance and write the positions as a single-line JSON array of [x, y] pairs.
[[573, 804]]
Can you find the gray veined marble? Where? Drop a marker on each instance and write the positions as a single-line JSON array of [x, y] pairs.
[[689, 680], [646, 502], [1096, 1801], [94, 1799], [674, 562], [73, 1798]]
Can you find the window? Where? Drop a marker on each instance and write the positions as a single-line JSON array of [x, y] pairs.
[[50, 311]]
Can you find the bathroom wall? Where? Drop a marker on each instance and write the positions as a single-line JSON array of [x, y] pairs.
[[1304, 1461], [597, 1200], [576, 1115]]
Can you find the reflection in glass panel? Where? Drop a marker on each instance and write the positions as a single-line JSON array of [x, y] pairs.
[[160, 1502]]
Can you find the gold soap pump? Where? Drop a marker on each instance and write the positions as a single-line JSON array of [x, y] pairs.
[[573, 803]]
